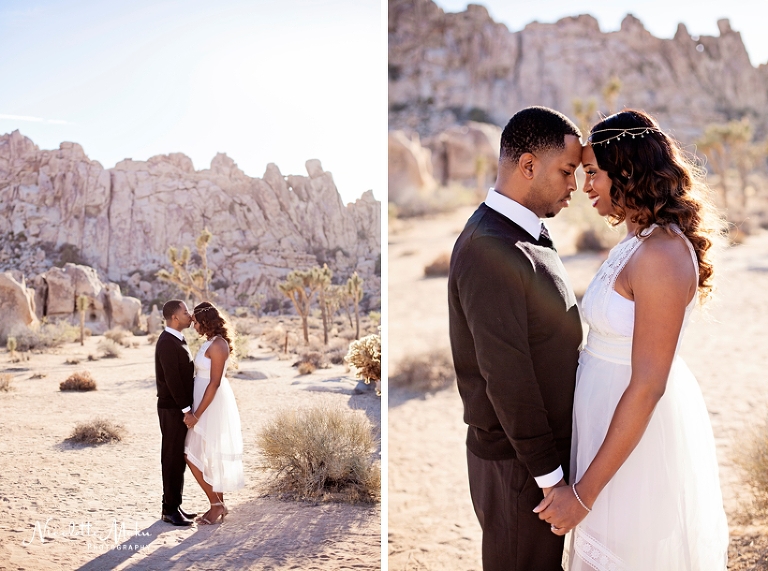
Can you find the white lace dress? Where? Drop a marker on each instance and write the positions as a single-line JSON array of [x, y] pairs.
[[215, 443], [663, 509]]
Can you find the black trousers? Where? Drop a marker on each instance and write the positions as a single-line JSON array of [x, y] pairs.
[[514, 538], [174, 432]]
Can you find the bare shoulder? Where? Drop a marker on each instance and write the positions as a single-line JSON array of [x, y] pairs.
[[219, 346], [663, 258]]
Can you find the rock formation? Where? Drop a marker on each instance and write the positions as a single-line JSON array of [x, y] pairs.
[[57, 290], [121, 221], [445, 68], [17, 303]]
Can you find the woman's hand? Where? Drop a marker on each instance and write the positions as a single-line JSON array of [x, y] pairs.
[[561, 510]]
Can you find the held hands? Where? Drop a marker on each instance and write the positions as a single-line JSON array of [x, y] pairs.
[[190, 419], [560, 509]]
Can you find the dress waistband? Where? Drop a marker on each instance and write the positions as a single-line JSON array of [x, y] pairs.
[[614, 349]]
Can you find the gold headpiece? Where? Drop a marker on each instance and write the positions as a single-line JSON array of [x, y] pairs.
[[619, 133], [202, 309]]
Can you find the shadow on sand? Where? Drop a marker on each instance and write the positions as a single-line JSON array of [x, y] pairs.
[[261, 533]]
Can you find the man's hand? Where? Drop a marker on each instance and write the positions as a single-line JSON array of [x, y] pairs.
[[558, 485], [561, 510], [190, 419]]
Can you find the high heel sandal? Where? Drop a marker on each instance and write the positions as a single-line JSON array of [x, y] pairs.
[[204, 520]]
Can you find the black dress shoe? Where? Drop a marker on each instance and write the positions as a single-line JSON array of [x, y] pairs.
[[175, 518], [187, 515]]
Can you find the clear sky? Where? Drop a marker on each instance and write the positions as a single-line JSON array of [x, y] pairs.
[[660, 17], [277, 81]]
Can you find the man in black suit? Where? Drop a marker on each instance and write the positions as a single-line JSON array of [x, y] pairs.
[[175, 375], [515, 334]]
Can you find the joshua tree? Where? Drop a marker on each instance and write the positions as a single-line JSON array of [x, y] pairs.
[[584, 113], [193, 282], [300, 287], [611, 92], [82, 306], [355, 292], [728, 146], [11, 345], [323, 278]]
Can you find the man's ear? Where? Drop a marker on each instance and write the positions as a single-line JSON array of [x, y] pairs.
[[525, 165]]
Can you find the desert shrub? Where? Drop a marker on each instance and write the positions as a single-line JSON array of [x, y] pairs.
[[365, 356], [752, 458], [375, 318], [93, 357], [45, 336], [322, 452], [242, 346], [80, 381], [6, 382], [97, 431], [120, 336], [428, 372], [439, 266], [110, 349], [591, 240], [152, 338], [313, 359], [306, 368], [11, 344], [72, 361], [38, 376]]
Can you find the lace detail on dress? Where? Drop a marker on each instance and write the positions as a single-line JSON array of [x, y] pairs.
[[595, 554]]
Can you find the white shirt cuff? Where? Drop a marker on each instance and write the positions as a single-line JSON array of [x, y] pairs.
[[188, 408], [549, 480]]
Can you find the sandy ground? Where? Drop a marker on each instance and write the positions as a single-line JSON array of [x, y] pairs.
[[101, 504], [431, 521]]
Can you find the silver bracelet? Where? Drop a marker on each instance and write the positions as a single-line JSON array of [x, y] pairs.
[[575, 493]]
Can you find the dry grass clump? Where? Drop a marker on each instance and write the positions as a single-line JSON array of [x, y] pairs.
[[310, 362], [80, 381], [439, 266], [152, 338], [45, 336], [752, 458], [120, 336], [110, 349], [430, 371], [97, 431], [6, 382], [322, 452], [38, 376], [306, 368], [72, 361]]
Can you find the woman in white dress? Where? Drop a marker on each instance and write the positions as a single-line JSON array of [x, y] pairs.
[[645, 491], [214, 443]]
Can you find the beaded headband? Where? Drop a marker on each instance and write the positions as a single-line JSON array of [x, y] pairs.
[[634, 131], [202, 309]]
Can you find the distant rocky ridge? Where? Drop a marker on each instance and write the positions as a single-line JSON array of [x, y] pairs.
[[58, 205], [445, 68]]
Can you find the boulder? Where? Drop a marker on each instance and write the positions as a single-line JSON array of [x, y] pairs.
[[410, 167], [17, 303]]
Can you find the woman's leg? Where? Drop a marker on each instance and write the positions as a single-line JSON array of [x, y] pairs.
[[213, 497]]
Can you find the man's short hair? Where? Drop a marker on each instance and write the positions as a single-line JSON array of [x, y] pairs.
[[535, 129], [171, 307]]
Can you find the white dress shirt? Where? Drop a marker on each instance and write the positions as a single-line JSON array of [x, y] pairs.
[[529, 222], [180, 336]]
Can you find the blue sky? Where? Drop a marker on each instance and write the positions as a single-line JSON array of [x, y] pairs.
[[265, 81], [660, 17]]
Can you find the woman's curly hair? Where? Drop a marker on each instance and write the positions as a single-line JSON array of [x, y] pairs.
[[652, 178], [212, 323]]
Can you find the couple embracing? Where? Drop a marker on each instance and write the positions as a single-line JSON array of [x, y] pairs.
[[602, 458], [199, 420]]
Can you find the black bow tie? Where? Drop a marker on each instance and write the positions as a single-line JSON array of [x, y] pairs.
[[544, 238]]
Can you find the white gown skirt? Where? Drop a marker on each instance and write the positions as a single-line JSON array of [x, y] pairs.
[[215, 444], [663, 510]]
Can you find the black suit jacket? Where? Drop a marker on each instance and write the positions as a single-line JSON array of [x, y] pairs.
[[515, 335], [174, 372]]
